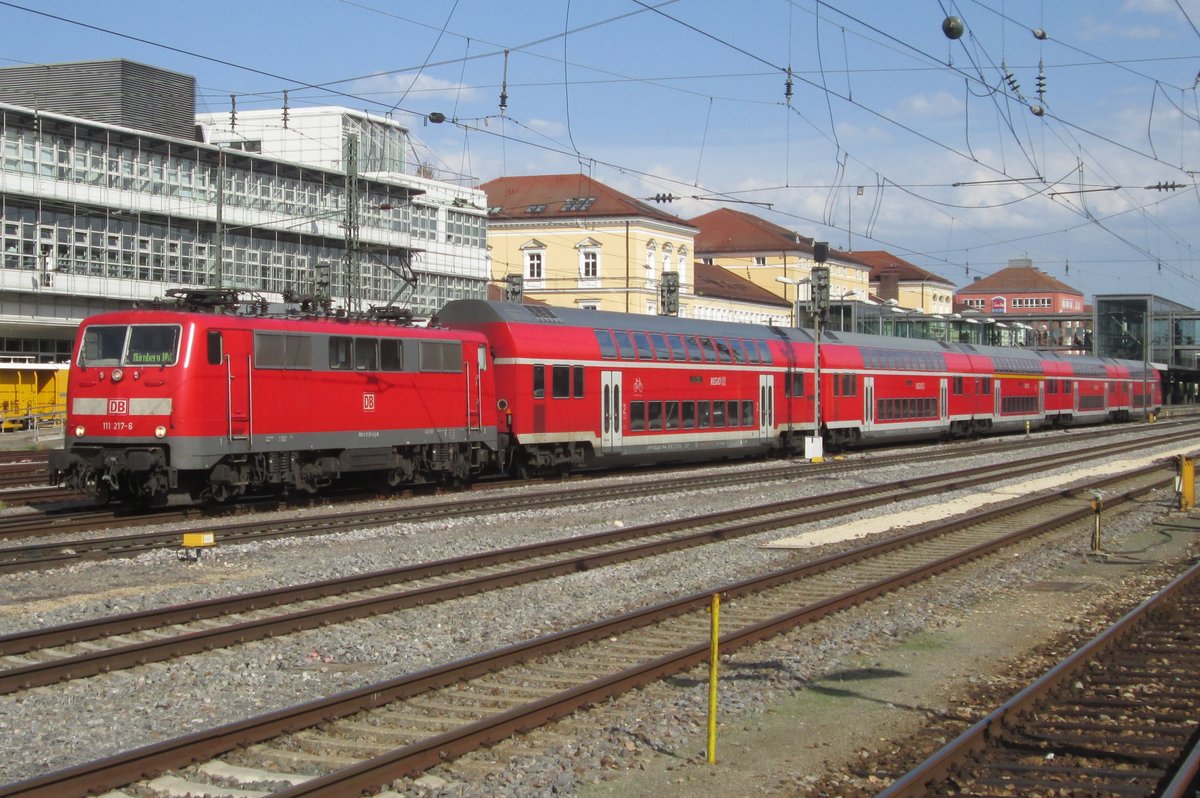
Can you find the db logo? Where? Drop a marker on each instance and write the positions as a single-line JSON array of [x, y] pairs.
[[118, 407], [368, 402]]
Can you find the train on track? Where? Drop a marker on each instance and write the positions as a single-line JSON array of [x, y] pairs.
[[204, 401]]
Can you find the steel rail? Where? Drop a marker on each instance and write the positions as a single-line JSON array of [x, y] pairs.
[[975, 740], [55, 554], [94, 516], [726, 525], [127, 767]]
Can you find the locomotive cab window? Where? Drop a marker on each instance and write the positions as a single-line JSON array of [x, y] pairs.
[[215, 353], [152, 345], [135, 345]]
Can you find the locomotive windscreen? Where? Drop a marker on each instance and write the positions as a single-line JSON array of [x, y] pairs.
[[130, 345]]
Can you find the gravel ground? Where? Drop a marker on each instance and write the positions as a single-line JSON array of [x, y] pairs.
[[50, 728]]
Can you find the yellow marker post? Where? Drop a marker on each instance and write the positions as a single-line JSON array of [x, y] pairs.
[[1097, 509], [713, 661], [1187, 483], [194, 544]]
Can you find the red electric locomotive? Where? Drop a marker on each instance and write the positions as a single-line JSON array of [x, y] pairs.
[[210, 405]]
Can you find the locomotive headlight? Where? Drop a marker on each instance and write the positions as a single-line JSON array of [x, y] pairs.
[[160, 432], [79, 431], [117, 375]]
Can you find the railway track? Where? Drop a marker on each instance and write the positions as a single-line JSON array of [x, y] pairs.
[[21, 469], [363, 739], [68, 522], [45, 656], [1116, 718]]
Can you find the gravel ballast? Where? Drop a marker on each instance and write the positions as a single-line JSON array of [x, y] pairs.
[[49, 728]]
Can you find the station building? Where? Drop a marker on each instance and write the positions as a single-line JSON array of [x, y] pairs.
[[111, 193]]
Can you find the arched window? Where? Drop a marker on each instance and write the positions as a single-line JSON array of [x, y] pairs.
[[651, 263]]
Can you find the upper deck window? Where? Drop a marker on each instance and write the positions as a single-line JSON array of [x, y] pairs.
[[130, 345]]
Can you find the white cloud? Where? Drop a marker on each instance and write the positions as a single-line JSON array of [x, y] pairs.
[[415, 89], [925, 106]]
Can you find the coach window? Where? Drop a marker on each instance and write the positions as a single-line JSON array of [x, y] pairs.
[[693, 348], [710, 350], [739, 354], [642, 342], [661, 350], [539, 382], [678, 351], [793, 384], [985, 386], [718, 415], [625, 345], [723, 352], [747, 413], [849, 385], [366, 354], [608, 349], [704, 414], [561, 382], [637, 416], [655, 415], [958, 386], [689, 415], [577, 382], [764, 352], [391, 354], [340, 353], [215, 355], [671, 415]]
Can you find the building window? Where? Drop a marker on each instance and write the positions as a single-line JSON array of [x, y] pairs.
[[760, 260], [533, 265]]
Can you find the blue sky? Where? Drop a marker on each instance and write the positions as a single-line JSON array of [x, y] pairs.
[[895, 137]]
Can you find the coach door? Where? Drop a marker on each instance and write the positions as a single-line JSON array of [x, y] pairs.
[[766, 405], [473, 367], [236, 357], [868, 415], [944, 399], [610, 410]]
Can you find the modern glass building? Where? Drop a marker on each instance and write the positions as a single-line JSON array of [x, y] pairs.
[[98, 216]]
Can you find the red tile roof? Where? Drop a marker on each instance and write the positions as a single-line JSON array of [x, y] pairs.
[[531, 197], [879, 260], [720, 283], [728, 231], [1017, 280]]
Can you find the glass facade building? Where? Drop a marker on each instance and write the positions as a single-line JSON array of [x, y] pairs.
[[96, 217]]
